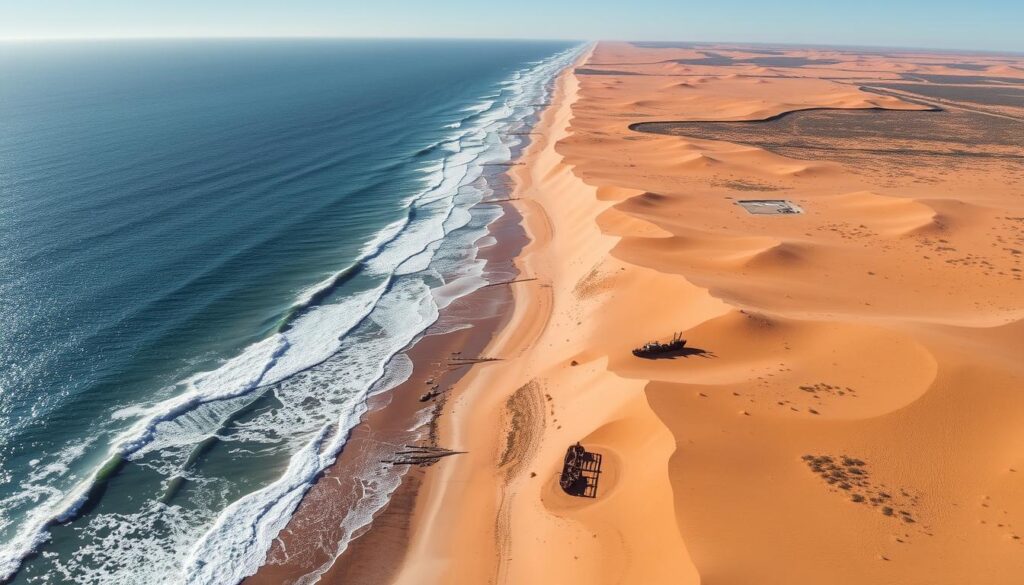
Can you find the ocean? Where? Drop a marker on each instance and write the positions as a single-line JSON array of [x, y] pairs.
[[211, 253]]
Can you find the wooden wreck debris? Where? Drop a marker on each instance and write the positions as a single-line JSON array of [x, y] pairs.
[[431, 394], [424, 456], [456, 360], [581, 470], [656, 348], [509, 282]]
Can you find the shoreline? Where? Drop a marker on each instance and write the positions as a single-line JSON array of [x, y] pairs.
[[530, 310], [393, 417], [370, 556]]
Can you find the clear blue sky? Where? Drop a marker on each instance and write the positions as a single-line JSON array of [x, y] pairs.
[[963, 24]]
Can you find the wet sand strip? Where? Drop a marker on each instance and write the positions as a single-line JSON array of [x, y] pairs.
[[311, 539]]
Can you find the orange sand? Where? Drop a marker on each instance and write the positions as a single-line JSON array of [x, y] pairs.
[[885, 324]]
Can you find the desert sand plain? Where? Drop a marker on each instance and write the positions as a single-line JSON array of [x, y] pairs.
[[852, 408]]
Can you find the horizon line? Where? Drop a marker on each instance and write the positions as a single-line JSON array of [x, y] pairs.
[[284, 37]]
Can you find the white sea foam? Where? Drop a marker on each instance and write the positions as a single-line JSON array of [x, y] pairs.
[[316, 352], [399, 369], [239, 538], [312, 338], [394, 316], [132, 540]]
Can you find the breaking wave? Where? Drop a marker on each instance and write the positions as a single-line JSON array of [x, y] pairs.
[[332, 349]]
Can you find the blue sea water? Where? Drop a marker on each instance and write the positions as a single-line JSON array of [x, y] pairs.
[[210, 253]]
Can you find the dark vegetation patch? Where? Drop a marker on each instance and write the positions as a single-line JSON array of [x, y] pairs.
[[962, 66], [830, 389], [870, 139], [663, 45], [851, 476], [961, 79], [747, 185], [714, 59], [990, 95]]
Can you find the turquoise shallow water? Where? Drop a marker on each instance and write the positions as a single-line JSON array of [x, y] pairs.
[[209, 253]]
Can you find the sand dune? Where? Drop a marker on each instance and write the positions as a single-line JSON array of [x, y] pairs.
[[613, 193], [850, 411], [888, 215]]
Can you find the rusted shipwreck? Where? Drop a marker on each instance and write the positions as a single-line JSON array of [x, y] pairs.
[[580, 472], [656, 348]]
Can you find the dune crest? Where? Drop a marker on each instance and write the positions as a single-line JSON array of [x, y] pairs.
[[847, 408], [896, 216]]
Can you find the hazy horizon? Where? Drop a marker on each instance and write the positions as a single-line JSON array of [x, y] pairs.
[[738, 43], [912, 24]]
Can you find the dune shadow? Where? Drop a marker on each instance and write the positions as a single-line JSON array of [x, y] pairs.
[[684, 352]]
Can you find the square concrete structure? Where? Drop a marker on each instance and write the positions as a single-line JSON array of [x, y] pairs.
[[770, 206]]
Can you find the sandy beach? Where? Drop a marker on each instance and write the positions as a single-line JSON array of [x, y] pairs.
[[405, 415], [848, 409]]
